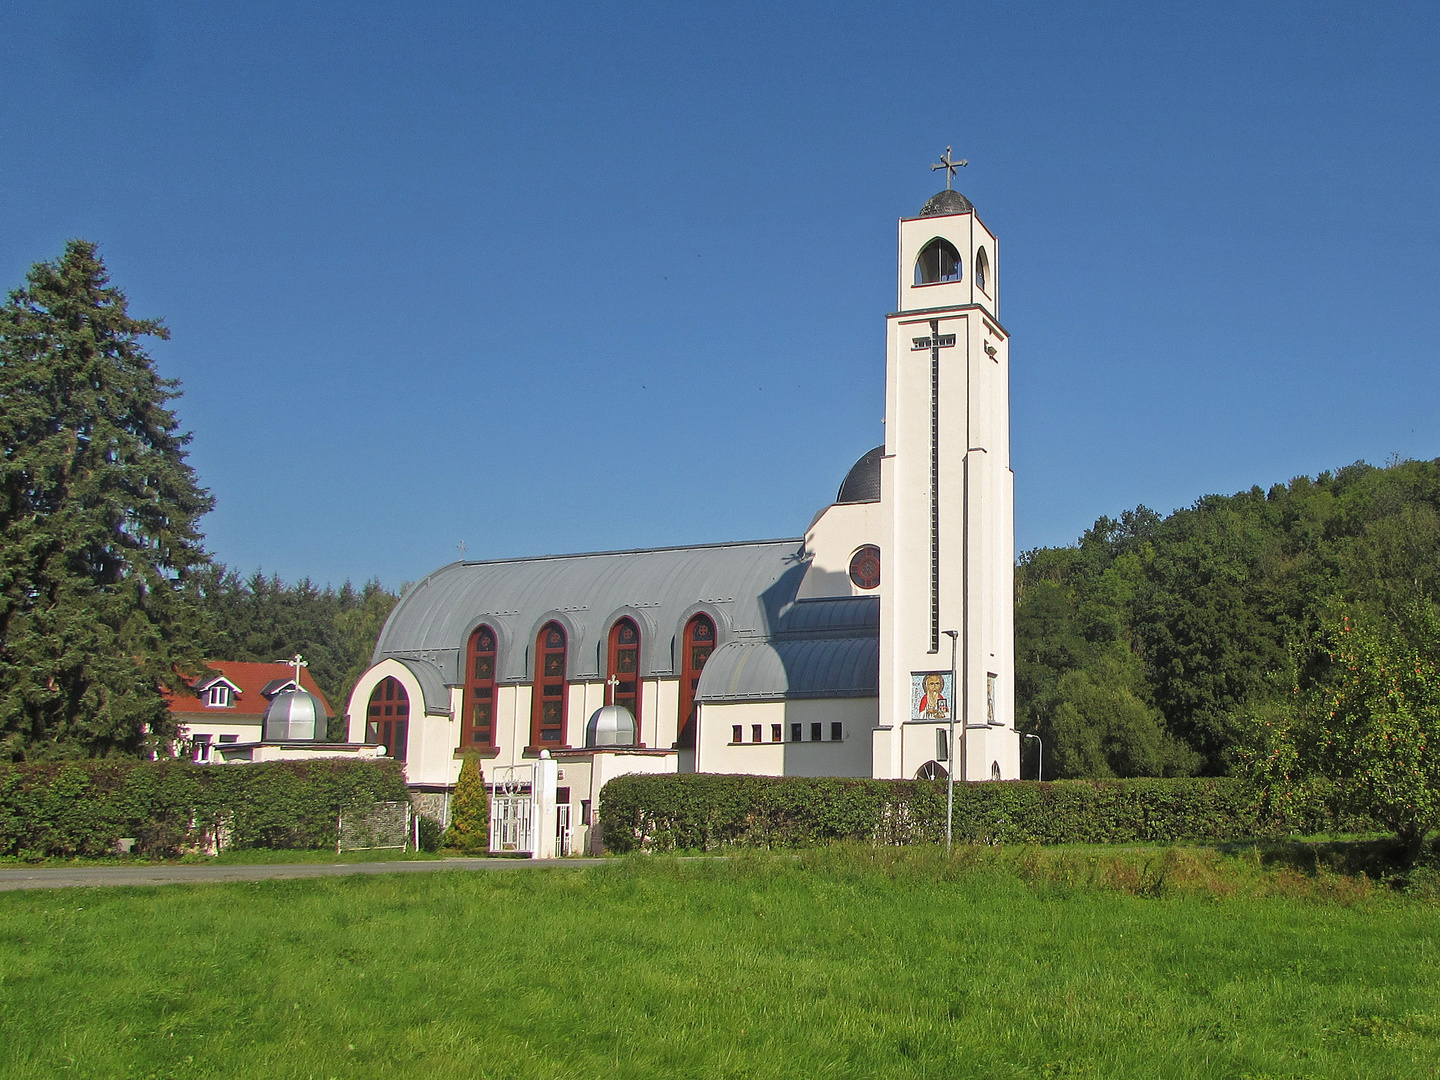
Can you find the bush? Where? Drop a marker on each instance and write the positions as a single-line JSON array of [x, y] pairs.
[[469, 831], [432, 834], [83, 808], [704, 813]]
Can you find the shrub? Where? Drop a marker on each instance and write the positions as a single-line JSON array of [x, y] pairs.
[[706, 812], [432, 834], [469, 811], [83, 808]]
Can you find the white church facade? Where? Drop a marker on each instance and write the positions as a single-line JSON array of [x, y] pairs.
[[828, 654]]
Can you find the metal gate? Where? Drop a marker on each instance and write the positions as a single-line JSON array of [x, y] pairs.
[[562, 830], [512, 812]]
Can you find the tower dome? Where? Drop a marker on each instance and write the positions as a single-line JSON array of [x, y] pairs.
[[294, 716], [862, 482], [946, 202], [611, 725]]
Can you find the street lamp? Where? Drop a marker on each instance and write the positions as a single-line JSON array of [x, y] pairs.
[[1040, 756], [954, 636]]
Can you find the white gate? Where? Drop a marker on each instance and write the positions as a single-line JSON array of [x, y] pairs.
[[562, 830], [512, 811]]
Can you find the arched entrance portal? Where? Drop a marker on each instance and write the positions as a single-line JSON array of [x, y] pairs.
[[387, 720]]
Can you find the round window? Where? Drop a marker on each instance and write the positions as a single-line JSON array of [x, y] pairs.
[[865, 567]]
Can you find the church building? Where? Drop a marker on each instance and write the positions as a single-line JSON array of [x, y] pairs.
[[827, 654]]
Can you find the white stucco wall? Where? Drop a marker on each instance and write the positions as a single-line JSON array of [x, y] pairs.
[[850, 756], [832, 541]]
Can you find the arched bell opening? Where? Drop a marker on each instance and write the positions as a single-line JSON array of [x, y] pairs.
[[939, 261]]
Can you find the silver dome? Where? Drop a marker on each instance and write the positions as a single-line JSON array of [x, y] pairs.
[[611, 725], [295, 716]]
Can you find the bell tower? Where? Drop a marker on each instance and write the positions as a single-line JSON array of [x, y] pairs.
[[948, 505]]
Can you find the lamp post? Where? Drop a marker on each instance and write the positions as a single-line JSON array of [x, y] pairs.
[[954, 636], [1039, 757]]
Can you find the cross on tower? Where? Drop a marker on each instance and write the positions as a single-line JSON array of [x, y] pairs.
[[610, 684], [934, 341], [949, 166]]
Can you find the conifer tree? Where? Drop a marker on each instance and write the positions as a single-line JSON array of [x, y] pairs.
[[469, 830], [98, 513]]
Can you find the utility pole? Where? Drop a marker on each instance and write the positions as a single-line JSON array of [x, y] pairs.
[[954, 636]]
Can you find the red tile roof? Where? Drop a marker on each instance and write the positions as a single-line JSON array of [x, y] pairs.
[[250, 678]]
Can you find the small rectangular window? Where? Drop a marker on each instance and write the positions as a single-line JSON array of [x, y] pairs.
[[775, 733], [797, 732], [202, 747], [942, 745], [990, 698], [229, 738], [815, 730], [755, 733], [562, 796], [837, 731], [218, 697], [584, 811], [737, 734]]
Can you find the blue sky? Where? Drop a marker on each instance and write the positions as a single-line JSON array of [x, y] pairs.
[[564, 277]]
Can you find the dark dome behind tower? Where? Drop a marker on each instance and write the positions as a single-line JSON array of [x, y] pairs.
[[862, 482]]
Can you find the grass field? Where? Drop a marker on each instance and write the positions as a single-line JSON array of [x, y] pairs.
[[836, 964]]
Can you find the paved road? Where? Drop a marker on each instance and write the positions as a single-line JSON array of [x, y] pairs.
[[62, 877]]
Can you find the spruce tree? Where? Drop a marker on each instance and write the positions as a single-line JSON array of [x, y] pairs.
[[469, 831], [98, 512]]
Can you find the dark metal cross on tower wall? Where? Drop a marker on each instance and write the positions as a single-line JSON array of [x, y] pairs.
[[949, 167], [934, 342]]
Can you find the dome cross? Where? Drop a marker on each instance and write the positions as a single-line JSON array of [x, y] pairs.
[[296, 662], [949, 166]]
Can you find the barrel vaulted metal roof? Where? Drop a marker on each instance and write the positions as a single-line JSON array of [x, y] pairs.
[[742, 586], [811, 648], [820, 649]]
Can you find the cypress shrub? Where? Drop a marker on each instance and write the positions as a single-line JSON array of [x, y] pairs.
[[83, 808], [469, 830], [707, 812]]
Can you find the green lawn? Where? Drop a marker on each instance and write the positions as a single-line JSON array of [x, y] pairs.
[[842, 963]]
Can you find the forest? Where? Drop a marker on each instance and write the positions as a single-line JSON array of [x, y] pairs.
[[1153, 645]]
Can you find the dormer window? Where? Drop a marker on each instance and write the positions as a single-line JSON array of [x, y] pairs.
[[938, 261], [220, 696]]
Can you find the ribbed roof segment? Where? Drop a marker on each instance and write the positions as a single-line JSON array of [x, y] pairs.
[[821, 649], [742, 586], [862, 482]]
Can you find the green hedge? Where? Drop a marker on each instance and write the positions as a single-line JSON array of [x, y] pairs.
[[705, 812], [83, 808]]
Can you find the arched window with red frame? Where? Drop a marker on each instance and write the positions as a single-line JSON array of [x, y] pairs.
[[547, 715], [624, 667], [698, 644], [477, 725], [387, 719]]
